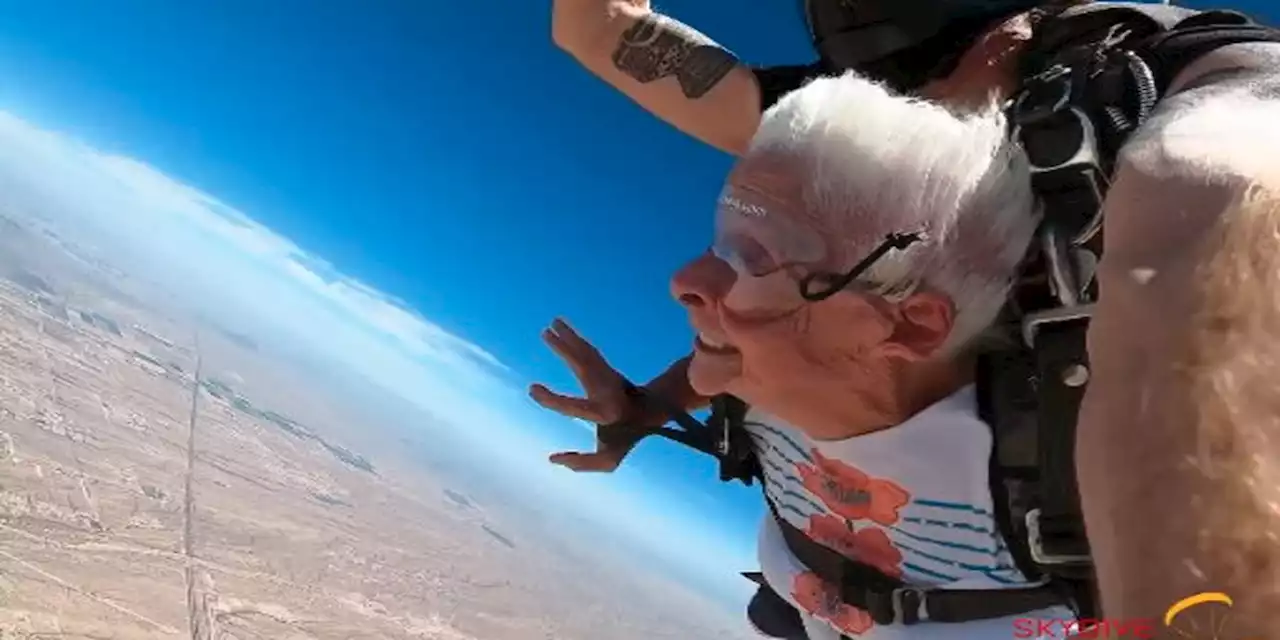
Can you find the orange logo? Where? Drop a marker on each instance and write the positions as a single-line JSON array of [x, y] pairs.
[[1219, 617], [1176, 619]]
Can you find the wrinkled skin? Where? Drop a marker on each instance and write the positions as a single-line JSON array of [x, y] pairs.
[[850, 364]]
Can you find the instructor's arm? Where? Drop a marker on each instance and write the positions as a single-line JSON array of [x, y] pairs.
[[1177, 449], [670, 69]]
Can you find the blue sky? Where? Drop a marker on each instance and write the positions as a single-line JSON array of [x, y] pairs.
[[442, 153], [437, 152]]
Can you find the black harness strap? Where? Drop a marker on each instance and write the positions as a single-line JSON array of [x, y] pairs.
[[771, 614], [862, 586], [889, 600], [1003, 392], [1099, 74], [1172, 51], [703, 438], [734, 448], [1055, 529], [778, 81]]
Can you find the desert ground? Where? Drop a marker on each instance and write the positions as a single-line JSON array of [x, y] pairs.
[[161, 477]]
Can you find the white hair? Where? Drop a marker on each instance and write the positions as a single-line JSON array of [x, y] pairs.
[[877, 163]]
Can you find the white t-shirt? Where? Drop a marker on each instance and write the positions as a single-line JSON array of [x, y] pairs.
[[913, 501]]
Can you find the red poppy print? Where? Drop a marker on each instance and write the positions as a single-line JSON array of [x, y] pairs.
[[851, 493], [851, 621], [868, 545], [821, 600], [810, 594]]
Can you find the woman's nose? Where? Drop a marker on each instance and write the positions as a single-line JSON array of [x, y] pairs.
[[701, 281]]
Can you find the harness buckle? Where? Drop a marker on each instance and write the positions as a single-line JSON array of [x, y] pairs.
[[1064, 280], [722, 439], [1057, 80], [1083, 166], [1035, 542], [901, 606], [1086, 152], [1032, 322], [907, 604]]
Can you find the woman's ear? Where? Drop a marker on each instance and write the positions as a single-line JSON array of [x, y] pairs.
[[921, 325]]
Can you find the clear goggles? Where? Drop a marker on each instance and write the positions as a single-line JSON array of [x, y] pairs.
[[764, 245], [758, 241]]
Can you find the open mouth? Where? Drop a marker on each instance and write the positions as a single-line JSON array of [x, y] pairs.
[[707, 345]]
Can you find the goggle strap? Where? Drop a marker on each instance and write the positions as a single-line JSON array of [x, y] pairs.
[[891, 242]]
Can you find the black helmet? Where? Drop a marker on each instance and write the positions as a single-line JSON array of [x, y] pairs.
[[905, 43]]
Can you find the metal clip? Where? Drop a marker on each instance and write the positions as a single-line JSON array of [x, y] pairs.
[[1062, 275], [907, 599], [1086, 153], [1035, 541], [1023, 112], [1085, 160], [1033, 321]]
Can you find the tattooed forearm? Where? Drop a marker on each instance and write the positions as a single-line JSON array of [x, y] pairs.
[[657, 47]]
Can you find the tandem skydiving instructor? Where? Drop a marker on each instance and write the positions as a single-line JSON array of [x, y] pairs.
[[1168, 119]]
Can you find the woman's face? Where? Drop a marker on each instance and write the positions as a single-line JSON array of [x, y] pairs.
[[757, 337]]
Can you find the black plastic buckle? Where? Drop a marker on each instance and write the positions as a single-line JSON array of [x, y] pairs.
[[899, 606], [1032, 322], [1043, 554], [732, 447], [1061, 143], [739, 464], [1043, 96]]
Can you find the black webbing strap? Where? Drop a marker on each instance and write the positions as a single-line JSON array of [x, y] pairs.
[[1055, 528], [778, 81], [1055, 118], [1005, 391], [722, 437], [735, 450], [692, 433], [889, 600], [861, 585], [1032, 456], [771, 614], [1172, 51], [1095, 74]]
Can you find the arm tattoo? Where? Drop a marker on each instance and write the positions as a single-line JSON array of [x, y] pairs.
[[657, 47]]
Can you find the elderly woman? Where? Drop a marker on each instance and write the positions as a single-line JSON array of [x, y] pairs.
[[863, 414]]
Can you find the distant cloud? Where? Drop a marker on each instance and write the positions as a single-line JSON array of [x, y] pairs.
[[190, 240], [354, 299], [232, 266]]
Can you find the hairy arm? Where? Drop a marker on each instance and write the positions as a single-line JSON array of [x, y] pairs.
[[667, 67], [1179, 440]]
